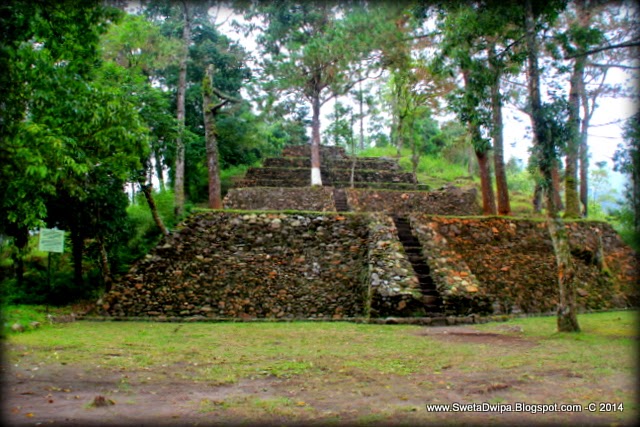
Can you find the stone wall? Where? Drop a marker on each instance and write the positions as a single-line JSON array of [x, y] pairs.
[[328, 152], [221, 264], [511, 263], [258, 175], [447, 201], [378, 163], [319, 199], [332, 266]]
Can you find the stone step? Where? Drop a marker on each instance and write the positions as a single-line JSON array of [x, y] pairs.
[[430, 296], [328, 175], [346, 164], [340, 199], [306, 182]]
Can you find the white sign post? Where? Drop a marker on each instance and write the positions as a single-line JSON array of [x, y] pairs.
[[51, 240]]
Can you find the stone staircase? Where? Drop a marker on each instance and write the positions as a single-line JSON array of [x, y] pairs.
[[340, 199], [293, 170], [430, 296]]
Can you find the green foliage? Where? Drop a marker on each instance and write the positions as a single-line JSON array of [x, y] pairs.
[[519, 178], [433, 170], [77, 136], [627, 161], [35, 288], [143, 234], [311, 51], [339, 132]]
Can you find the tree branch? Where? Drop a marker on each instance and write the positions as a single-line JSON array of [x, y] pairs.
[[223, 95], [624, 67], [602, 49]]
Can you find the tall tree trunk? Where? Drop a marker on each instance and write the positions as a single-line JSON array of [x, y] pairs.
[[159, 171], [504, 207], [537, 198], [147, 190], [488, 198], [316, 178], [353, 157], [555, 188], [584, 161], [77, 249], [133, 193], [572, 200], [567, 319], [182, 89], [361, 117], [21, 242], [213, 166], [399, 135]]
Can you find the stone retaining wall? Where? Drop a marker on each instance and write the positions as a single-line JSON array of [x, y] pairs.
[[328, 152], [511, 263], [305, 182], [447, 201], [361, 163], [332, 266], [319, 199], [251, 265], [328, 175]]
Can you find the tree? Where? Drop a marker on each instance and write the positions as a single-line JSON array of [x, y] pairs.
[[211, 107], [178, 185], [77, 139], [134, 50], [627, 160], [576, 39], [479, 39], [310, 50], [546, 152], [48, 50]]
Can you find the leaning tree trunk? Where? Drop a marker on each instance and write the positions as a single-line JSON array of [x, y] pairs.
[[316, 178], [504, 207], [178, 187], [147, 190], [567, 314], [104, 263]]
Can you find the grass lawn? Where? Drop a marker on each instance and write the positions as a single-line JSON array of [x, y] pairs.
[[327, 373]]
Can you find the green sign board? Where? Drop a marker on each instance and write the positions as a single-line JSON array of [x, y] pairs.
[[51, 240]]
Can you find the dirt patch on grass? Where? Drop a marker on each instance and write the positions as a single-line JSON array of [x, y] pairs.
[[41, 391], [462, 334]]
